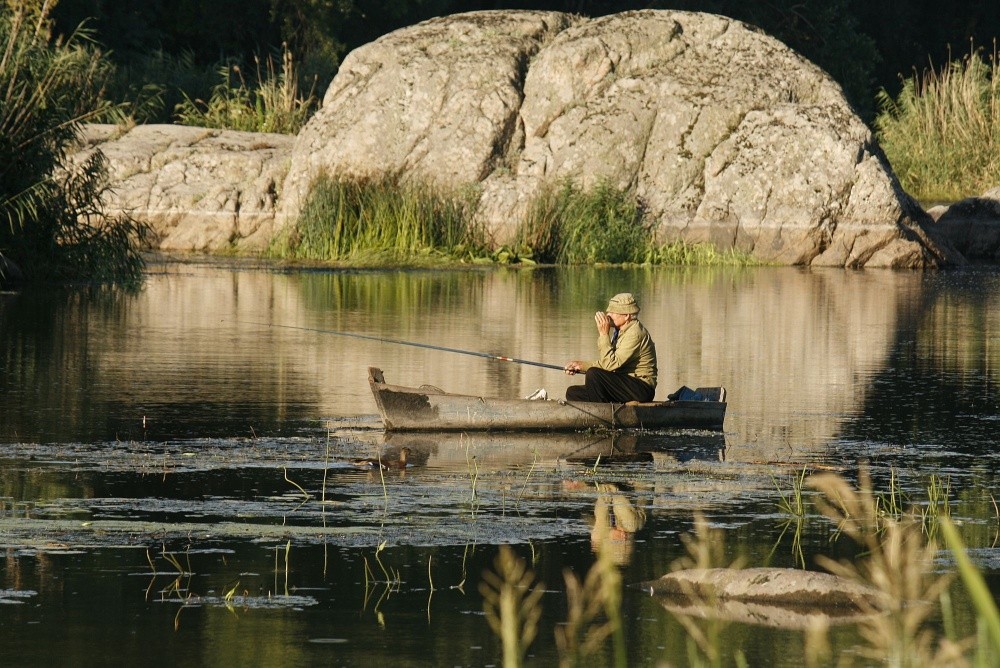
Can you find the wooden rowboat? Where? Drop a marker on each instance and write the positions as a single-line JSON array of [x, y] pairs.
[[427, 408]]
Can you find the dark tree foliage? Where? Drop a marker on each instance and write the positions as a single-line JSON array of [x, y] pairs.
[[865, 44]]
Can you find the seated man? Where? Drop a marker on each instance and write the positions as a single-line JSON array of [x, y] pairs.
[[626, 367]]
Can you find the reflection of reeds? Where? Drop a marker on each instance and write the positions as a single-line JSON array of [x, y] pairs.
[[705, 549], [511, 598], [793, 504]]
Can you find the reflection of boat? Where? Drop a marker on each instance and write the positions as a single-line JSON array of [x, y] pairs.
[[502, 449], [430, 409]]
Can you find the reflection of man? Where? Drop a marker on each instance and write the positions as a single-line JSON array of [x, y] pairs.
[[616, 521]]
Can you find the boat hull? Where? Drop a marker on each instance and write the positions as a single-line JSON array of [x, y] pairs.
[[430, 409]]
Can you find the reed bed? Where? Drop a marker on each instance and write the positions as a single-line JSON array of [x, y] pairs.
[[942, 132], [380, 221], [383, 221], [897, 557]]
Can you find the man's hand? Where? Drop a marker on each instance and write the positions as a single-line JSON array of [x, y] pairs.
[[573, 368], [604, 322]]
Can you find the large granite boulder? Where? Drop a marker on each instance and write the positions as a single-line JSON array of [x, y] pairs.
[[726, 134]]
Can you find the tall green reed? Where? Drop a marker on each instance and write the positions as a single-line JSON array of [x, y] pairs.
[[567, 225], [381, 221]]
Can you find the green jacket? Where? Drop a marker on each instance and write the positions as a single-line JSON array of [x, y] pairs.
[[632, 352]]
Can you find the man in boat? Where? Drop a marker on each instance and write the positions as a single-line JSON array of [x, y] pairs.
[[626, 367]]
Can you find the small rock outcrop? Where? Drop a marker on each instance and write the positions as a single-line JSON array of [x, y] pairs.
[[726, 134], [780, 597], [199, 189], [972, 225]]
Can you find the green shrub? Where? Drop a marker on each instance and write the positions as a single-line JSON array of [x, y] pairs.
[[51, 225], [942, 132]]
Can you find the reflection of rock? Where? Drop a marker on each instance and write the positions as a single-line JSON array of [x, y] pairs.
[[790, 348], [770, 596], [785, 617]]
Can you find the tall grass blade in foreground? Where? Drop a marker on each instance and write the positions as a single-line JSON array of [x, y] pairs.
[[898, 562], [511, 598]]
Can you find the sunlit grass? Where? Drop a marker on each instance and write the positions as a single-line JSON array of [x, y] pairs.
[[381, 222], [941, 134], [270, 102]]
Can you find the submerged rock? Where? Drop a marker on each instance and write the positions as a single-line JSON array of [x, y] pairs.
[[972, 225]]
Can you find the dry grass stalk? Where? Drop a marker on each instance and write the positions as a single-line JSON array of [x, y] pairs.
[[511, 601], [898, 561], [594, 611]]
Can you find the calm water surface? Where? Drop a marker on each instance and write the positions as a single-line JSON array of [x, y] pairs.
[[176, 483]]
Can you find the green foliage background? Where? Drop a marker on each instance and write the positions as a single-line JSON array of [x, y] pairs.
[[865, 44]]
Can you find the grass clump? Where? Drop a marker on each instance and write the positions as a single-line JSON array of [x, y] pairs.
[[381, 221], [942, 132], [51, 223], [606, 225], [384, 221], [567, 225], [272, 102]]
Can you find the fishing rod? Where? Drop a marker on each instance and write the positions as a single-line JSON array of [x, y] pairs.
[[490, 356]]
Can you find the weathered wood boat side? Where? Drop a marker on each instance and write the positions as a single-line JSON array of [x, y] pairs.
[[428, 408]]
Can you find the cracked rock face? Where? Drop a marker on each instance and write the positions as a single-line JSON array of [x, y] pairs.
[[726, 134], [199, 189]]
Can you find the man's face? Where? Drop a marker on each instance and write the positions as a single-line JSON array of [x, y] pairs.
[[619, 319]]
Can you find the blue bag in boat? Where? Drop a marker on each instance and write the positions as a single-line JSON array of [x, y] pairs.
[[686, 394]]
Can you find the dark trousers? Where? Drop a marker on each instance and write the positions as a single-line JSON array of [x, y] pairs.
[[606, 386]]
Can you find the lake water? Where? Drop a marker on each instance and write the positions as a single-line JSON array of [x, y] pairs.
[[176, 483]]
